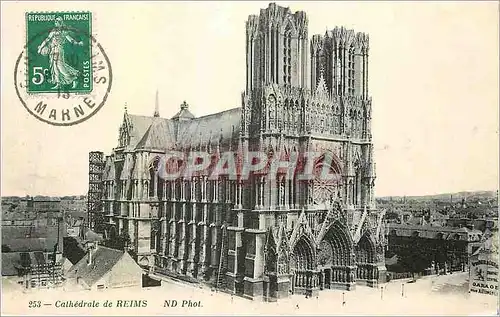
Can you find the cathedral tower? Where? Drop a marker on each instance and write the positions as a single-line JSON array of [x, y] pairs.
[[341, 56], [277, 48]]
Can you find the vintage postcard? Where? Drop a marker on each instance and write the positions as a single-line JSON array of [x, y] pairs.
[[249, 158]]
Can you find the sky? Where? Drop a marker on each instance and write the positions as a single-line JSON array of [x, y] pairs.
[[433, 77]]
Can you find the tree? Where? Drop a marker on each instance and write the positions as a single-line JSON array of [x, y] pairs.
[[118, 242], [72, 250], [414, 261], [124, 240]]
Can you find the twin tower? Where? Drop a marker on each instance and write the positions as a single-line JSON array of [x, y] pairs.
[[279, 52]]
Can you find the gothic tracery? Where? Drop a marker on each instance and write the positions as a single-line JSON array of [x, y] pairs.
[[209, 227]]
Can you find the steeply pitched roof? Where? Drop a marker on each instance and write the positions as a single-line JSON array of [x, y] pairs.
[[138, 126], [160, 135], [210, 128], [66, 265], [103, 260], [183, 130]]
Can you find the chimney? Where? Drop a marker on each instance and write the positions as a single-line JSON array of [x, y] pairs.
[[91, 251], [89, 260]]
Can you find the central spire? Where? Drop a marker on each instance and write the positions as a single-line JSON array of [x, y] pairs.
[[157, 106]]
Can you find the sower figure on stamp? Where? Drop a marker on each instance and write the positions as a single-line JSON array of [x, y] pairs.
[[53, 46]]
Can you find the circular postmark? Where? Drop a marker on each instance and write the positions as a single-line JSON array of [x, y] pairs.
[[63, 76]]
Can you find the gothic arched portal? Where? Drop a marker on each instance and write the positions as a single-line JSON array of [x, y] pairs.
[[334, 257], [302, 266], [302, 257], [365, 250], [365, 258], [341, 243]]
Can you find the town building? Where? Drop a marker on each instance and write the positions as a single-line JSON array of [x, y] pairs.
[[103, 268], [37, 233], [34, 269], [32, 211], [445, 249], [32, 243], [261, 236], [75, 226]]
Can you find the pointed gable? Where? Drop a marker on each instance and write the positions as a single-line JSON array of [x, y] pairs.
[[301, 228], [137, 127], [128, 165], [283, 246], [158, 136], [109, 169], [270, 240], [321, 89], [104, 261]]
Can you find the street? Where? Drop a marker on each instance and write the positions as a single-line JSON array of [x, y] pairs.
[[394, 299]]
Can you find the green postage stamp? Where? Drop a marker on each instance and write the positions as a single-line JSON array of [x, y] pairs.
[[63, 75], [59, 52]]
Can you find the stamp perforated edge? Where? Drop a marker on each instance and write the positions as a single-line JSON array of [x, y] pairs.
[[54, 96]]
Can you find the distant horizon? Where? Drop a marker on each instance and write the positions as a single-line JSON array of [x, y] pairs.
[[442, 193], [377, 196]]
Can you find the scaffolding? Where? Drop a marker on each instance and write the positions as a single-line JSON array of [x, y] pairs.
[[40, 270], [94, 202]]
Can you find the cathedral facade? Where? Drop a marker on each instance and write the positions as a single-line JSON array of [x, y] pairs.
[[260, 236]]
